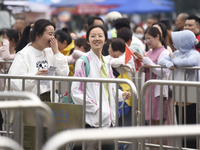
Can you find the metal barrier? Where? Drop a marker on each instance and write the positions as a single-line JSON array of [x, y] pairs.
[[26, 100], [189, 93], [72, 79], [141, 134], [141, 70], [126, 69], [182, 100], [174, 84], [172, 72], [117, 81], [55, 79], [5, 65], [7, 143], [132, 133], [141, 82]]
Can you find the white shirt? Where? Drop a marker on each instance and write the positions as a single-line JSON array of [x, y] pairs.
[[25, 63]]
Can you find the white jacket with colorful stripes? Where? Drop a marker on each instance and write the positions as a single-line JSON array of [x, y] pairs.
[[93, 92]]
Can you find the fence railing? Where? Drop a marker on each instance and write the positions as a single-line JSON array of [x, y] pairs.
[[5, 65], [138, 92], [181, 116], [55, 79], [183, 101], [172, 73], [186, 94], [8, 143], [132, 133], [13, 101]]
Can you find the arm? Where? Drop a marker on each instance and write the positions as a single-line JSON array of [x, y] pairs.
[[190, 61], [77, 53], [77, 89], [70, 59], [61, 64], [20, 67], [166, 61], [59, 60], [157, 71], [123, 95], [4, 49], [117, 62]]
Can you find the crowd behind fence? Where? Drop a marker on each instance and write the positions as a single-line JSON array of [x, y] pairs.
[[180, 93]]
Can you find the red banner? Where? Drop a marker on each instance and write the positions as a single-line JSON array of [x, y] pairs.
[[93, 9]]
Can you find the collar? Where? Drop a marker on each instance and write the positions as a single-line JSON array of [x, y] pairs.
[[68, 49]]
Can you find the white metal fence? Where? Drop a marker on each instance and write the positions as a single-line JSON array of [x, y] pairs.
[[133, 133], [140, 137], [54, 80], [9, 144], [179, 96], [14, 103]]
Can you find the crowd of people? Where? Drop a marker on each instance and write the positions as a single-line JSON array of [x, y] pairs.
[[39, 48]]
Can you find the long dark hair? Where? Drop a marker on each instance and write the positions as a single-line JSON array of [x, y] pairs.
[[63, 35], [13, 34], [29, 34], [39, 28], [164, 33], [153, 31], [24, 40]]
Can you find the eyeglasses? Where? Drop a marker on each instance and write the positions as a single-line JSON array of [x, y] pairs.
[[147, 40]]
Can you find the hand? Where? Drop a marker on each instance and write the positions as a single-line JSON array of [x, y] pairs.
[[42, 72], [172, 67], [54, 45], [126, 95], [139, 56]]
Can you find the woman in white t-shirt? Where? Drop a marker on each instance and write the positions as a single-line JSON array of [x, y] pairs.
[[37, 57]]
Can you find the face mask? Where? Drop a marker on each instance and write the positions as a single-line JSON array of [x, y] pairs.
[[139, 36]]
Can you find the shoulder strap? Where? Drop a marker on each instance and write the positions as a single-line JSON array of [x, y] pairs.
[[87, 65]]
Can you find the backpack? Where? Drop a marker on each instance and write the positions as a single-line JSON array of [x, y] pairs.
[[86, 64], [87, 71]]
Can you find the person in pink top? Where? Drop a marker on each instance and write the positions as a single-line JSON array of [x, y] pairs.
[[152, 96], [10, 38], [7, 50], [81, 48], [157, 51]]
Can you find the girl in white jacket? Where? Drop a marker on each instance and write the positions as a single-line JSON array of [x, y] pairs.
[[99, 68]]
